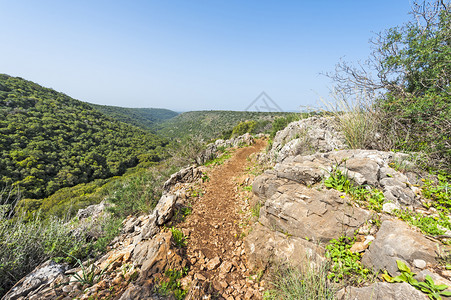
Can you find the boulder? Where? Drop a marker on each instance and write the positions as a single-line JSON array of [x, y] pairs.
[[395, 240], [264, 246], [33, 283], [315, 134]]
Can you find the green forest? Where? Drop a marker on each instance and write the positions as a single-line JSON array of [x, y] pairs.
[[144, 118], [49, 140], [212, 124]]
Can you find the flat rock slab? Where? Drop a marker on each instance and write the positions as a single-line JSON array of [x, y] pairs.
[[264, 245], [311, 214], [396, 240], [382, 291]]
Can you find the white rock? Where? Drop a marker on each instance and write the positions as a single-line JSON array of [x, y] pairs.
[[389, 207]]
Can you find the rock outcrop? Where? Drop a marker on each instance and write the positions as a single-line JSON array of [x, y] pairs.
[[307, 136]]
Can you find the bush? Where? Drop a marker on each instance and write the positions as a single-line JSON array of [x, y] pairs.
[[281, 123], [24, 245]]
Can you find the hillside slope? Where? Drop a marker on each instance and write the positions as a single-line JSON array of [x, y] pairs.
[[49, 140], [210, 124], [144, 118]]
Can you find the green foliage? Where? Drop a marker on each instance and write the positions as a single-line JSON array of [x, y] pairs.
[[427, 286], [89, 275], [255, 210], [27, 244], [49, 141], [244, 127], [294, 284], [144, 118], [179, 238], [220, 159], [209, 125], [345, 264], [338, 180], [440, 195], [136, 193], [367, 196], [171, 284], [439, 192], [282, 122]]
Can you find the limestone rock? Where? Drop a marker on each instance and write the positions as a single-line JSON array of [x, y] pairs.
[[396, 240], [308, 213], [165, 208], [382, 291], [264, 245], [42, 276], [151, 255], [315, 134]]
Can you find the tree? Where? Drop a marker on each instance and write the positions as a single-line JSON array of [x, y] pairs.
[[408, 73]]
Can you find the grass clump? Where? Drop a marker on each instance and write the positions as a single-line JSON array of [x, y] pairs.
[[306, 283]]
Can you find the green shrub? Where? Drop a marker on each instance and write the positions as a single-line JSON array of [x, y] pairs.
[[24, 245], [244, 127], [282, 122]]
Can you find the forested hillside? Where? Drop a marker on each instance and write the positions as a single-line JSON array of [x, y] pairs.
[[49, 140], [145, 118], [211, 124]]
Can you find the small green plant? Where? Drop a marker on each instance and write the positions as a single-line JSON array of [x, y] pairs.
[[345, 264], [427, 286], [179, 238], [368, 196], [255, 210], [247, 188], [89, 275], [205, 178], [219, 160], [439, 192], [427, 224], [170, 285], [338, 180]]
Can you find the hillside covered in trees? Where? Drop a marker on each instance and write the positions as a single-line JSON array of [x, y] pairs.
[[49, 140], [144, 118], [211, 124]]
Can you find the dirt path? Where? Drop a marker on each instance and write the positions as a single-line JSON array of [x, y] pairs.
[[215, 247]]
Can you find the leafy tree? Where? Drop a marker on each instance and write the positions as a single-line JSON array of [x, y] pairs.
[[409, 74]]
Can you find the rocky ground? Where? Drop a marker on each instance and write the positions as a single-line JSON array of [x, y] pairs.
[[208, 204]]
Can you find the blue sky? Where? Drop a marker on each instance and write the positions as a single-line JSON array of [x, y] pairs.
[[189, 55]]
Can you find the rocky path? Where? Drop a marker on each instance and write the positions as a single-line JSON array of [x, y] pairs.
[[215, 248]]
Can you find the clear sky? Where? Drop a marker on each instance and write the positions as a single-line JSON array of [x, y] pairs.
[[189, 55]]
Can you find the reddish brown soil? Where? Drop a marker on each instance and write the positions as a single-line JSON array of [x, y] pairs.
[[214, 229]]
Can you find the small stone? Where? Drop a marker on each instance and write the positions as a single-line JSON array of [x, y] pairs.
[[419, 263], [369, 239], [225, 267], [199, 276], [358, 247], [214, 263], [67, 289], [389, 207]]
